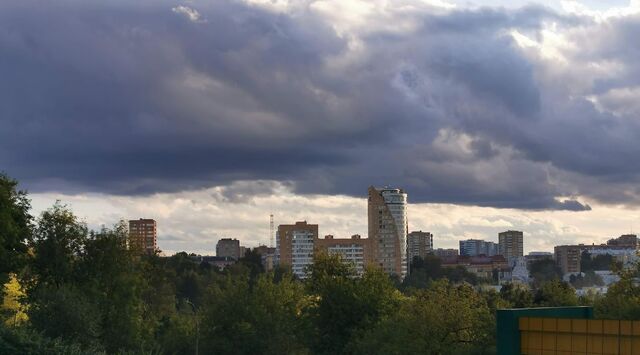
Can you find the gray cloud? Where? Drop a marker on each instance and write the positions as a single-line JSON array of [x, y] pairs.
[[155, 96]]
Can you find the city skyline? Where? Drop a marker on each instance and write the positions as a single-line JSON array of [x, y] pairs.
[[491, 115], [488, 232]]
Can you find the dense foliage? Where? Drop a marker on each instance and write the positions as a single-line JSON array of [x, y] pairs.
[[70, 290]]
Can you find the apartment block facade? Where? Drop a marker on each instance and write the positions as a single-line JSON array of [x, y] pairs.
[[420, 244], [511, 244], [475, 247], [388, 227], [356, 250], [143, 235], [227, 247], [295, 244]]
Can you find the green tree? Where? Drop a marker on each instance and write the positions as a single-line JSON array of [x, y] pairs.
[[556, 293], [517, 295], [598, 262], [443, 319], [544, 270], [260, 318], [65, 312], [58, 241], [113, 279], [622, 300], [345, 304], [15, 228], [590, 278], [423, 271]]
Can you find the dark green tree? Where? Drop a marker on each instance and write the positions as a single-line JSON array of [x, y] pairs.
[[442, 319], [544, 270], [15, 228], [239, 317], [622, 300], [555, 293], [345, 304], [59, 238], [517, 295]]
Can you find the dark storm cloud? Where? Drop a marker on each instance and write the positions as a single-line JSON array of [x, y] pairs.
[[148, 96]]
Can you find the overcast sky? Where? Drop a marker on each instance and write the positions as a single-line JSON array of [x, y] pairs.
[[209, 115]]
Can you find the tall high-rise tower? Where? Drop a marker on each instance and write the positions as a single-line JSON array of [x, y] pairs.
[[143, 235], [388, 227], [511, 244]]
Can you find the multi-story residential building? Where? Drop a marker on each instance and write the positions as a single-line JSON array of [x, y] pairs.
[[622, 249], [388, 227], [475, 247], [295, 244], [511, 244], [568, 257], [227, 247], [143, 235], [355, 250], [445, 253], [420, 244]]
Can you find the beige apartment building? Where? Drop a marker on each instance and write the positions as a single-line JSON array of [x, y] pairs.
[[388, 228], [295, 245], [510, 244], [356, 250], [420, 244]]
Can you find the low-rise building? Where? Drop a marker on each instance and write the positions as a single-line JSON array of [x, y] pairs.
[[219, 262], [445, 253], [475, 247], [482, 266]]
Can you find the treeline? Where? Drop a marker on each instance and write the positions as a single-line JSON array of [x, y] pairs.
[[70, 290]]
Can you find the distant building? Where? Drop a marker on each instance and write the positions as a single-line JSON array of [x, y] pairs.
[[388, 227], [267, 255], [511, 244], [568, 258], [219, 262], [475, 247], [626, 241], [420, 244], [355, 250], [482, 266], [445, 253], [143, 235], [227, 247], [520, 270], [295, 244], [622, 249]]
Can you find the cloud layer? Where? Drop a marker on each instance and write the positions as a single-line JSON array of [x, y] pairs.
[[526, 108]]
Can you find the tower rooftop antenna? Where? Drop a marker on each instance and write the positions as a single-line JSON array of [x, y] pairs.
[[271, 226]]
